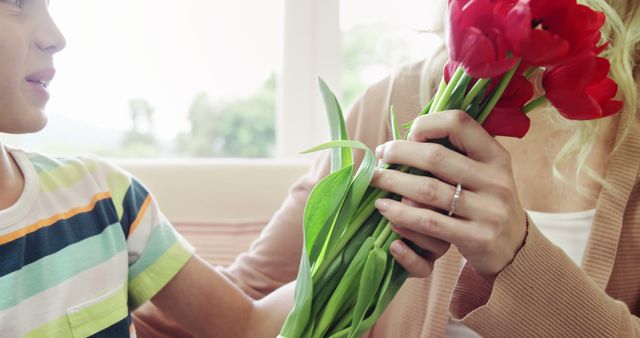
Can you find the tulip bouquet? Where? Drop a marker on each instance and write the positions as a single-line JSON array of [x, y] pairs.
[[347, 276]]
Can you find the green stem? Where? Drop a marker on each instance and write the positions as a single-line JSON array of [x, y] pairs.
[[473, 93], [436, 99], [534, 104], [497, 94], [529, 72], [351, 230], [392, 237], [380, 227], [384, 235], [444, 99], [426, 108], [362, 214]]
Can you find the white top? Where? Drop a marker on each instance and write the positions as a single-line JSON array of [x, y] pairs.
[[570, 231]]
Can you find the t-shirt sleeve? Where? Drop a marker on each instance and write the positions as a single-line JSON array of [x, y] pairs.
[[156, 251]]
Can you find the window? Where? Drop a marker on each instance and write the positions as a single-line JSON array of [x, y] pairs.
[[378, 36], [151, 78], [216, 78]]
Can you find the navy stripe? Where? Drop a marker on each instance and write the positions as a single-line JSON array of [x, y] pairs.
[[117, 330], [49, 240], [131, 204]]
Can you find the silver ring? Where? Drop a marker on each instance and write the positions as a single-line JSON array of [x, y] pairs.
[[456, 197]]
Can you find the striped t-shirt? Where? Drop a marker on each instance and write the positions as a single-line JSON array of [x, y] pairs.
[[84, 245]]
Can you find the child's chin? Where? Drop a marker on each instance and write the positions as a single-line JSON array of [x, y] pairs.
[[28, 127]]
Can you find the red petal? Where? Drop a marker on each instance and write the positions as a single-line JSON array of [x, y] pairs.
[[603, 66], [543, 48], [505, 121], [576, 75], [603, 91], [518, 93], [575, 105], [489, 70], [449, 69], [611, 108]]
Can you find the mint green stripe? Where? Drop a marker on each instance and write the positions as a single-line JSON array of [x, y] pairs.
[[45, 163], [156, 276], [65, 175], [100, 316], [60, 266], [161, 239]]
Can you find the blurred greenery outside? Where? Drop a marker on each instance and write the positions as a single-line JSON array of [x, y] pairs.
[[246, 126]]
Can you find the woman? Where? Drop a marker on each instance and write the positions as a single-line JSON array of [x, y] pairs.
[[534, 253]]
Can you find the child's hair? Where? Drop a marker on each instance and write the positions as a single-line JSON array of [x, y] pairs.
[[622, 30]]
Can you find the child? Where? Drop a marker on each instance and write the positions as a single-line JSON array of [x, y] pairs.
[[82, 242]]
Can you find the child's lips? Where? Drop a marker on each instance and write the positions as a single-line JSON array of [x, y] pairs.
[[40, 90], [43, 76], [39, 83]]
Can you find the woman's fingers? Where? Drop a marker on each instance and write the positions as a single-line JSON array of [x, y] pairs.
[[463, 131], [434, 248], [416, 265], [424, 221], [427, 191], [445, 164]]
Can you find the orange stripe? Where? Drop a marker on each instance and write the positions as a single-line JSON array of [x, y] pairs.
[[52, 220], [141, 212]]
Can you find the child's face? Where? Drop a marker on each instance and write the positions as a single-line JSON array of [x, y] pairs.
[[28, 40]]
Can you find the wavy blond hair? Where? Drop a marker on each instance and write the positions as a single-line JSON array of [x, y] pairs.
[[622, 30]]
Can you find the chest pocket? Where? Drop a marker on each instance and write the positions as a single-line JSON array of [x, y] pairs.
[[98, 314]]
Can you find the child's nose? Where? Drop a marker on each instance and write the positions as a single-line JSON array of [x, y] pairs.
[[49, 37]]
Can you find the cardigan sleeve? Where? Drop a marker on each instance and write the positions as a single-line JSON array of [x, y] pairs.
[[542, 293]]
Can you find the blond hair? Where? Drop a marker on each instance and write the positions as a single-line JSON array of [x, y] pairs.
[[622, 30]]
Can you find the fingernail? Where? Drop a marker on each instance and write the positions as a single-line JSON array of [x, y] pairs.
[[397, 248], [382, 205], [380, 151]]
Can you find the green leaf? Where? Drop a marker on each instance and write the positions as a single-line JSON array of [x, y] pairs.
[[337, 144], [395, 131], [372, 275], [424, 111], [347, 207], [458, 95], [300, 315], [353, 199], [395, 277], [345, 291], [340, 158], [321, 208]]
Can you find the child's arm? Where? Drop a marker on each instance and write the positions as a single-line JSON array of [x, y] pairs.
[[209, 305]]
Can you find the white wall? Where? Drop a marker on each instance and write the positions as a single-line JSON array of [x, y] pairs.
[[218, 191]]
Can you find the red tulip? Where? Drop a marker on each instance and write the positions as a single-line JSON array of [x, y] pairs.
[[551, 32], [507, 118], [581, 90], [476, 39]]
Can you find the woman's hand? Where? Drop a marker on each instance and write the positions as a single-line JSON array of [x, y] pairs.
[[488, 224]]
